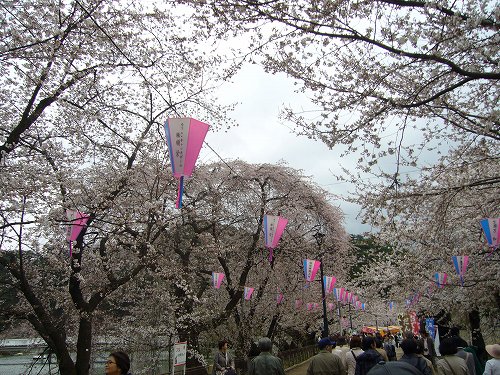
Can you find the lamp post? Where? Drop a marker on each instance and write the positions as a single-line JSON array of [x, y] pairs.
[[319, 240]]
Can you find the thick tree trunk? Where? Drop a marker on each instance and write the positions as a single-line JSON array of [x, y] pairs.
[[272, 326], [477, 336], [83, 346]]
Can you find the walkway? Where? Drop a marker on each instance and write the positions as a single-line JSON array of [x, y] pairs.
[[299, 369]]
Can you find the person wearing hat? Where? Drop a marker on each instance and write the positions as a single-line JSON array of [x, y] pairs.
[[118, 363], [493, 365], [325, 362]]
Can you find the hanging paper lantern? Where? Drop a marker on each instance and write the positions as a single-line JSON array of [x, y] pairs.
[[491, 230], [330, 306], [298, 303], [217, 278], [391, 306], [440, 279], [310, 269], [347, 297], [329, 283], [248, 293], [279, 298], [363, 305], [273, 229], [342, 293], [336, 294], [460, 263], [185, 137], [78, 220]]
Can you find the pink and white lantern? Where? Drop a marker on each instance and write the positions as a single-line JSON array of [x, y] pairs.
[[78, 220], [185, 136], [217, 278]]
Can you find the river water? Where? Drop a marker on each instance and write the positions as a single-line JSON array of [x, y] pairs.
[[26, 364]]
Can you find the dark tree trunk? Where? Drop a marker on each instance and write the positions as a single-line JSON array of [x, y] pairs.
[[272, 326], [477, 336], [83, 346]]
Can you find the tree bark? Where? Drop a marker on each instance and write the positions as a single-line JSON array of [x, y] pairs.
[[477, 336]]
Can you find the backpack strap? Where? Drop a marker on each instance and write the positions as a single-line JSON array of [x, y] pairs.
[[354, 355], [449, 365]]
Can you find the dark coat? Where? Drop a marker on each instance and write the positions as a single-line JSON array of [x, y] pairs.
[[419, 363], [366, 361], [266, 364], [394, 368]]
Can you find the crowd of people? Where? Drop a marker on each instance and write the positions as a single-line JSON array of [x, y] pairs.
[[358, 355], [373, 355]]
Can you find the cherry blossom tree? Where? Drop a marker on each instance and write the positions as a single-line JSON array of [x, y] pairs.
[[411, 89], [86, 87]]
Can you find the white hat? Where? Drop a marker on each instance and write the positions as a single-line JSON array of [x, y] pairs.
[[493, 350]]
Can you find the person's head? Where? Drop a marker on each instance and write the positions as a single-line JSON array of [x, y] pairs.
[[223, 345], [368, 343], [341, 341], [118, 363], [378, 342], [420, 346], [326, 344], [459, 342], [409, 346], [454, 331], [265, 344], [448, 346], [355, 342]]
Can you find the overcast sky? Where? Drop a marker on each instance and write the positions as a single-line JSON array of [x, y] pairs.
[[261, 138]]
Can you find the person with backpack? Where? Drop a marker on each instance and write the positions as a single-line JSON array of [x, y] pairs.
[[354, 352]]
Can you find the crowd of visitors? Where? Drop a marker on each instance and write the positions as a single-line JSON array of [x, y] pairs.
[[376, 355]]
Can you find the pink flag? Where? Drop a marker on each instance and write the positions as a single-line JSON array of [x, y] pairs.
[[460, 263], [248, 293], [78, 220], [273, 229], [329, 283], [491, 230], [217, 278], [279, 298], [298, 303], [185, 137], [440, 279], [310, 268], [342, 294], [348, 297]]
